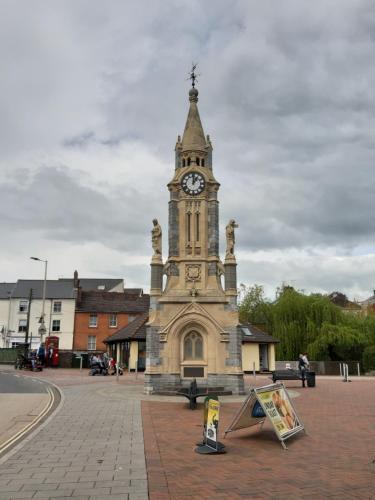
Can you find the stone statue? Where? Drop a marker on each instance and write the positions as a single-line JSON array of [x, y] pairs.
[[156, 238], [229, 232]]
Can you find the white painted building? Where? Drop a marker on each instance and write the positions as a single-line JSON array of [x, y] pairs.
[[59, 308]]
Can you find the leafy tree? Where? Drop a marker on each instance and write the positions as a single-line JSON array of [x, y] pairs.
[[308, 323], [338, 343], [253, 307], [368, 359]]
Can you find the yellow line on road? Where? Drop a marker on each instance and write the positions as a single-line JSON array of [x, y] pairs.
[[30, 425]]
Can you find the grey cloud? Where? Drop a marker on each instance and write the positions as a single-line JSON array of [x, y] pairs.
[[286, 93], [60, 207]]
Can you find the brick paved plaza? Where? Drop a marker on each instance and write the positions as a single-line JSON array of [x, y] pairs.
[[335, 460], [93, 447]]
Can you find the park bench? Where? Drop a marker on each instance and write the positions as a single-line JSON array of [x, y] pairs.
[[288, 374]]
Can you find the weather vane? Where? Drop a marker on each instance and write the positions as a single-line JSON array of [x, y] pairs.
[[192, 75]]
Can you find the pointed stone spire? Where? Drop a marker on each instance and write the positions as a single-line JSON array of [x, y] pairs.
[[193, 138]]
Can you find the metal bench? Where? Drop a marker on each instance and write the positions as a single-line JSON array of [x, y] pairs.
[[192, 392], [288, 374]]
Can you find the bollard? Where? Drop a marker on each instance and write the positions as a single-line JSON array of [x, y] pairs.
[[116, 372], [346, 373], [80, 363], [359, 370], [136, 369], [254, 374], [341, 374]]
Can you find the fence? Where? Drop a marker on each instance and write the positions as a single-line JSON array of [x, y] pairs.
[[7, 355], [322, 367]]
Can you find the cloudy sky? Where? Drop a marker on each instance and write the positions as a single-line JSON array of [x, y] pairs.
[[94, 93]]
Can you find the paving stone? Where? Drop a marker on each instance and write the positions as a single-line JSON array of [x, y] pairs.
[[54, 494], [92, 491], [14, 495]]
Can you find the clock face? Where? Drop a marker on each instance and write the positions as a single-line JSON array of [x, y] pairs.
[[193, 183]]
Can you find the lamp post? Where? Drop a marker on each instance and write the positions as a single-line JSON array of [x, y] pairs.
[[42, 329]]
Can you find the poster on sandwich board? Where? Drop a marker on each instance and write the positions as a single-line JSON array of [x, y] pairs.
[[272, 402], [212, 423]]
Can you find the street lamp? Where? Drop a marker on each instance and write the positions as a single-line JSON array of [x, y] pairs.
[[42, 329]]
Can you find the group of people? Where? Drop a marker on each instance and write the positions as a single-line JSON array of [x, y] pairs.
[[40, 357], [104, 362]]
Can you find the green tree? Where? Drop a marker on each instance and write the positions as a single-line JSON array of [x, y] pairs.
[[253, 306], [338, 343]]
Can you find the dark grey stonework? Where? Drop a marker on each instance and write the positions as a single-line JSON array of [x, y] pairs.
[[209, 158], [173, 269], [230, 276], [212, 269], [152, 346], [173, 234], [213, 227], [156, 276], [162, 382], [171, 381], [177, 159], [234, 347], [234, 383]]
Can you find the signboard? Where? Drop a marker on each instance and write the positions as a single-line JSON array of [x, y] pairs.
[[271, 401], [248, 414], [210, 444], [213, 408], [279, 409]]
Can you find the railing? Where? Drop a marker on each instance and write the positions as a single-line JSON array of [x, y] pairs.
[[8, 355]]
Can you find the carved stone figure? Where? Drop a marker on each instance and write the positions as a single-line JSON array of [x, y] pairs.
[[156, 237], [229, 232]]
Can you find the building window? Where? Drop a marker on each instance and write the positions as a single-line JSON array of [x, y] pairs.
[[93, 321], [113, 320], [56, 325], [188, 162], [91, 343], [193, 346], [202, 162], [57, 307], [184, 163], [197, 161], [24, 305], [22, 325]]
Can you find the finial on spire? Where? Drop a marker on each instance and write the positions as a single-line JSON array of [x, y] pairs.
[[192, 75]]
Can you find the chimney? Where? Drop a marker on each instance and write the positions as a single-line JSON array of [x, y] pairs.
[[75, 279]]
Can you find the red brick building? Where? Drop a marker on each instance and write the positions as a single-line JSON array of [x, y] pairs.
[[100, 314]]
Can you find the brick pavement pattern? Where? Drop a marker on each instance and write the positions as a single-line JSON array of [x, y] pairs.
[[91, 449], [335, 460]]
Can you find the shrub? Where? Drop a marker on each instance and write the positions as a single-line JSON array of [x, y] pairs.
[[368, 358]]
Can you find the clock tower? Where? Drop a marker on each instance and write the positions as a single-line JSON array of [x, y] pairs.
[[193, 329]]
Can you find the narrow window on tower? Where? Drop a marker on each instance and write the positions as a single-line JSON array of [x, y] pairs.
[[197, 160], [188, 225], [183, 162], [188, 162], [202, 162], [197, 226]]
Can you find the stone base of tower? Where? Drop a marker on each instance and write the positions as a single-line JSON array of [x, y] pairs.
[[170, 382]]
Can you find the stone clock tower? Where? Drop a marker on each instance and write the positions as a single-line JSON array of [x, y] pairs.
[[193, 327]]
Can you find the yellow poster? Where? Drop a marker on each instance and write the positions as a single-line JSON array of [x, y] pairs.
[[280, 410], [212, 421]]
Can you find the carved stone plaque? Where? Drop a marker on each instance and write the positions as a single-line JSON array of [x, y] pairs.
[[193, 272]]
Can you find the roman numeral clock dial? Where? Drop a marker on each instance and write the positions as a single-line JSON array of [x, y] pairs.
[[193, 183]]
